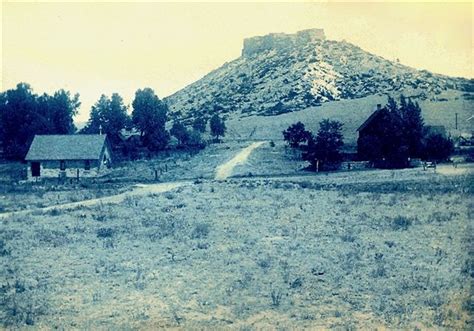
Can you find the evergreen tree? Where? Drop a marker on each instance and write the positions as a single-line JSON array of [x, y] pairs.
[[218, 127]]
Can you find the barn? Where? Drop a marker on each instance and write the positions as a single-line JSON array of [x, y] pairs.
[[83, 155]]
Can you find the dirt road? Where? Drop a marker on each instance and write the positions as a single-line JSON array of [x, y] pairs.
[[222, 172], [225, 170], [138, 190]]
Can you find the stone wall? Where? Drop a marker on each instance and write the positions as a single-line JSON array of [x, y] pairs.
[[51, 169]]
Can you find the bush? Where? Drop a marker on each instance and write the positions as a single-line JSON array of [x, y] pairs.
[[401, 223], [105, 233], [201, 230], [436, 147]]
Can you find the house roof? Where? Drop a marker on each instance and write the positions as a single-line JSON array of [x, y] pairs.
[[370, 119], [66, 147]]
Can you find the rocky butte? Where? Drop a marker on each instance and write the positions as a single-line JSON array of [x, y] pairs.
[[281, 41]]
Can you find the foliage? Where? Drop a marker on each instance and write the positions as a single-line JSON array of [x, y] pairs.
[[149, 115], [394, 135], [436, 147], [218, 127], [296, 134], [200, 124], [195, 140], [179, 131], [326, 146], [108, 115], [24, 114]]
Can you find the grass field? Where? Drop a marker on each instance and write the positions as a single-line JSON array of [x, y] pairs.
[[380, 249]]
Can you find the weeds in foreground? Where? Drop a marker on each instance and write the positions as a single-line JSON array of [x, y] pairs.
[[276, 296], [401, 223], [201, 230], [105, 233]]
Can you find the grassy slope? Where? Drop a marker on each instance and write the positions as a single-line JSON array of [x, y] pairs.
[[352, 113], [249, 254]]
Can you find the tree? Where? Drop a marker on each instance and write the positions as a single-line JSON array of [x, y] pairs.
[[149, 115], [412, 127], [179, 131], [296, 134], [436, 147], [24, 114], [218, 127], [325, 148], [200, 124], [108, 115], [60, 108], [195, 140]]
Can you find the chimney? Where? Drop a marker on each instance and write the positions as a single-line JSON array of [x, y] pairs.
[[379, 106]]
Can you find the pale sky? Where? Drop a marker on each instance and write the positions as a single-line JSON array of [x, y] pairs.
[[102, 48]]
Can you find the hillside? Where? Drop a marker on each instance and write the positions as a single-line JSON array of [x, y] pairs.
[[280, 73]]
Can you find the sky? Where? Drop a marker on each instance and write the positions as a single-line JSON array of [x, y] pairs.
[[95, 48]]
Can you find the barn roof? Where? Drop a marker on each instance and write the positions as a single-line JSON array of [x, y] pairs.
[[66, 147], [370, 119]]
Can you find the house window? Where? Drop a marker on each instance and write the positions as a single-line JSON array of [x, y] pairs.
[[62, 165], [87, 165]]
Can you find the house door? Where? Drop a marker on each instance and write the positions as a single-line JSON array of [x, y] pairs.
[[35, 169]]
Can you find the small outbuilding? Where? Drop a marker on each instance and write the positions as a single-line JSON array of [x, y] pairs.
[[75, 156]]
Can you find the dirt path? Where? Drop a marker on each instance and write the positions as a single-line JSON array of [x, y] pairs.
[[225, 170], [222, 172], [138, 190]]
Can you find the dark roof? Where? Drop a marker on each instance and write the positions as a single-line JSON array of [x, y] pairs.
[[66, 147], [370, 119]]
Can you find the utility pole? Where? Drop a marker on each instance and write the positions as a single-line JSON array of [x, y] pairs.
[[456, 121]]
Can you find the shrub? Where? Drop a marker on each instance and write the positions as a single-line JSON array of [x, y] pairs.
[[276, 296], [201, 230], [4, 250], [401, 223], [105, 233], [436, 147]]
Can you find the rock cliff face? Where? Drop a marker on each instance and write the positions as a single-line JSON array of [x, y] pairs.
[[280, 41], [281, 73]]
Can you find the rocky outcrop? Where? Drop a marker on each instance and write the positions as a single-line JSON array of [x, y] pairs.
[[281, 73], [280, 41]]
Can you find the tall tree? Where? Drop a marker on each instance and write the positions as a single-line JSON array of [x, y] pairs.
[[325, 148], [149, 115], [296, 134], [218, 127], [108, 115], [24, 114]]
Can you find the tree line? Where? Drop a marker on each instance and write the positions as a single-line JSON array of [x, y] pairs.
[[24, 114], [396, 135]]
